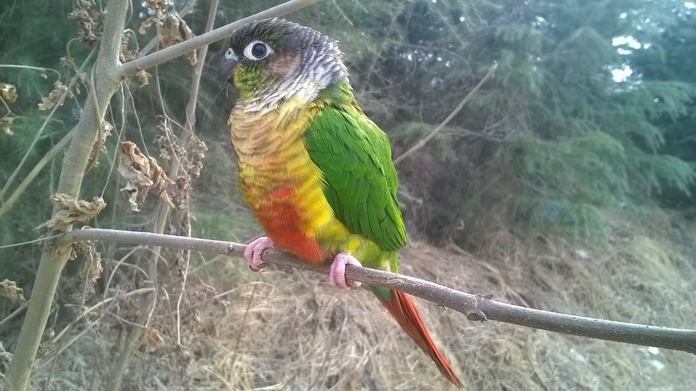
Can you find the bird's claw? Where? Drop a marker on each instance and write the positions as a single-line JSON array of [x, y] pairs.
[[255, 250], [337, 274]]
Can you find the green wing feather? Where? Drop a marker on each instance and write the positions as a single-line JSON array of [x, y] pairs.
[[360, 179]]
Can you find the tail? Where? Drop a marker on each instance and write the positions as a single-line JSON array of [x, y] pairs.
[[404, 311]]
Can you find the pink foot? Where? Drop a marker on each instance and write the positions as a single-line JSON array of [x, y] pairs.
[[337, 275], [254, 250]]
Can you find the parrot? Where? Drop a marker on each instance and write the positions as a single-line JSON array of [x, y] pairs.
[[315, 171]]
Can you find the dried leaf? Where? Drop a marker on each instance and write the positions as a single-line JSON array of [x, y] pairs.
[[60, 90], [151, 341], [72, 211], [180, 192], [171, 30], [146, 25], [68, 63], [8, 92], [5, 123], [128, 52], [142, 77], [141, 173], [198, 148], [91, 269], [158, 5], [99, 147], [195, 170], [10, 290], [87, 24], [156, 10]]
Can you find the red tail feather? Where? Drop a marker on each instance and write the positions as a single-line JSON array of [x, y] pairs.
[[404, 311]]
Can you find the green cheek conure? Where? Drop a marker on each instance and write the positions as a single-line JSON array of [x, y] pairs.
[[314, 169]]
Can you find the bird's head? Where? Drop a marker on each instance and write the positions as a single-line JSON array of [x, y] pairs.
[[273, 56]]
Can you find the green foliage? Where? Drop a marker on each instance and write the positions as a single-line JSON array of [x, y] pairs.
[[664, 171], [543, 215], [579, 169]]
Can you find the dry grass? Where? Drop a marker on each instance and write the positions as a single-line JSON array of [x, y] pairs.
[[288, 330]]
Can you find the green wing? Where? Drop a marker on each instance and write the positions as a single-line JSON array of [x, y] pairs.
[[360, 179]]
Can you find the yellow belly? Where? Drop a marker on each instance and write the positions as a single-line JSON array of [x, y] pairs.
[[284, 188]]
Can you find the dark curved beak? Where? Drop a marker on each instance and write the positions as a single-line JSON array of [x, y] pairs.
[[225, 70]]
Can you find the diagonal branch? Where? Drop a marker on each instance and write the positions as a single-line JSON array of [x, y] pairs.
[[218, 34], [460, 106], [475, 307]]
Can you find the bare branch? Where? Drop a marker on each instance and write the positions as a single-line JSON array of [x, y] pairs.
[[14, 314], [475, 307], [185, 47], [196, 79], [460, 106]]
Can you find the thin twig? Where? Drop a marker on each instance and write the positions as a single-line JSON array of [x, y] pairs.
[[196, 79], [460, 106], [84, 314], [19, 244], [188, 132], [33, 174], [475, 307], [235, 349], [40, 69], [38, 135], [14, 314]]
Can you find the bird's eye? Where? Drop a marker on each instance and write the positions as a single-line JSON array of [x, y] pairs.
[[257, 50], [230, 54]]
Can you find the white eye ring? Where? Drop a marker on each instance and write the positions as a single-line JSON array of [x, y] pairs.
[[230, 54], [257, 50]]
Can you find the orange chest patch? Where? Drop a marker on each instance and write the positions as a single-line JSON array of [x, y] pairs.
[[282, 217]]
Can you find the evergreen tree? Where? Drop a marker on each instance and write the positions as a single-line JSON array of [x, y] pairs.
[[669, 56], [553, 128]]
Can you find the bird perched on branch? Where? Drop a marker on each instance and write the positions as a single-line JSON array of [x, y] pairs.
[[314, 169]]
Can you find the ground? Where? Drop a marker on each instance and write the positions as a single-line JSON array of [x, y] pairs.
[[289, 330]]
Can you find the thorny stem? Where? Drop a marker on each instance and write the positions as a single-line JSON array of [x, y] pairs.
[[460, 106], [475, 307]]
